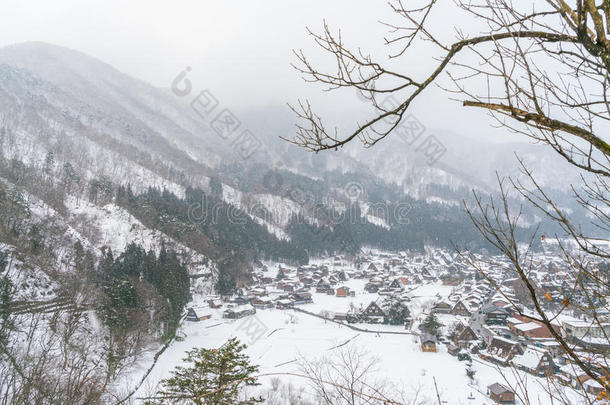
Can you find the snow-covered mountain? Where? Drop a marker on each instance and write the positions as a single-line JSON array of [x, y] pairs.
[[108, 124], [106, 129]]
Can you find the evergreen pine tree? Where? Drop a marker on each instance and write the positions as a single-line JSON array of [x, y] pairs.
[[121, 300], [49, 162], [214, 376], [396, 311], [106, 266], [431, 324]]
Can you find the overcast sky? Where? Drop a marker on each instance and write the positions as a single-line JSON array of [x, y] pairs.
[[241, 50]]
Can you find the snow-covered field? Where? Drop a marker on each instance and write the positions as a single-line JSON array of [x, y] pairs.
[[282, 342], [278, 338]]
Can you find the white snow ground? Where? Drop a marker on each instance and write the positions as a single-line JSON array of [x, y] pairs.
[[276, 338]]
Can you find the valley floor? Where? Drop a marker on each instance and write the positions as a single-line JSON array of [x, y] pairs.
[[278, 338]]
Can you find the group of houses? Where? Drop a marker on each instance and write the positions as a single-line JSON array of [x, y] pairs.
[[490, 320], [493, 324], [467, 298]]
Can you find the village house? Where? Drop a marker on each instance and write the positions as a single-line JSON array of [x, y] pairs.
[[302, 297], [500, 394], [357, 274], [262, 303], [399, 283], [495, 315], [258, 291], [215, 303], [463, 336], [342, 291], [500, 302], [373, 313], [588, 334], [372, 269], [283, 303], [501, 351], [371, 287], [386, 291], [453, 350], [592, 387], [324, 287], [571, 375], [426, 273], [239, 312], [428, 342], [191, 315], [266, 280], [285, 272], [452, 280], [442, 307], [242, 300], [535, 361], [460, 309], [306, 279], [196, 315], [288, 287], [551, 346], [529, 328], [340, 316]]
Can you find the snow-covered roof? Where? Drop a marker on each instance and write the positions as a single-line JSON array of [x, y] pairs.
[[529, 359], [498, 389], [592, 384], [241, 308], [524, 327], [572, 370]]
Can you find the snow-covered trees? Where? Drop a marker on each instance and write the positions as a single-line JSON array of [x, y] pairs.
[[49, 163], [49, 358], [70, 177], [225, 285], [138, 281], [213, 377], [431, 324], [396, 312]]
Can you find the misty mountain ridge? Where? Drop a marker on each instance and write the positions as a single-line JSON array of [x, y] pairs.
[[466, 162], [110, 126]]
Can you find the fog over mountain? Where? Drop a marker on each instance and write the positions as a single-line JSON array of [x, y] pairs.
[[163, 124]]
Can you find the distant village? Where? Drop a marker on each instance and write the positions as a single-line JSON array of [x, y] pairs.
[[482, 317]]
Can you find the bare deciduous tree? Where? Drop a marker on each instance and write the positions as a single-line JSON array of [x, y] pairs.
[[539, 69], [347, 376]]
